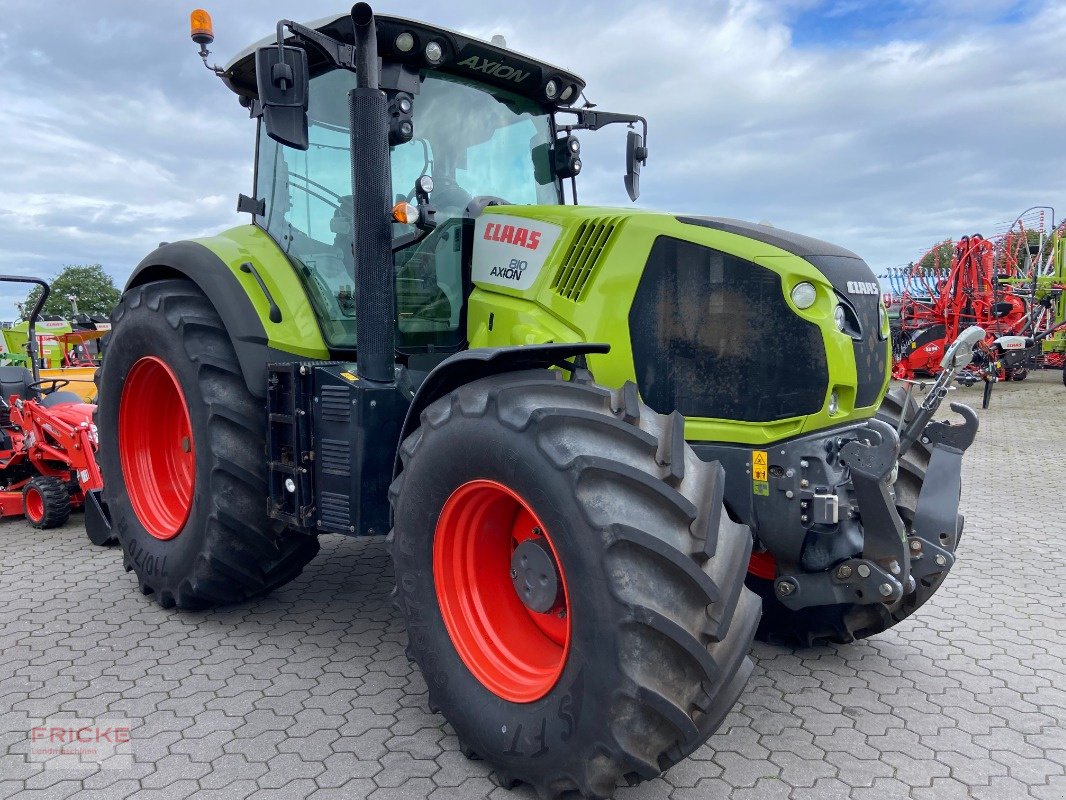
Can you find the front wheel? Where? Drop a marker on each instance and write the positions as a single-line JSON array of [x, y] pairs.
[[46, 502], [572, 590]]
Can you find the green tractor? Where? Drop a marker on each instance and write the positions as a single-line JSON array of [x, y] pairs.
[[574, 423]]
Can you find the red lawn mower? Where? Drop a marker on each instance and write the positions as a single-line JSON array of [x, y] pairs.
[[47, 443]]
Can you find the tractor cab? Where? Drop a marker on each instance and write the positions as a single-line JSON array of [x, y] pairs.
[[470, 125]]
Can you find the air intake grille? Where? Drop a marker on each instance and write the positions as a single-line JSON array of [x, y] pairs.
[[336, 511], [336, 405], [335, 456], [583, 257]]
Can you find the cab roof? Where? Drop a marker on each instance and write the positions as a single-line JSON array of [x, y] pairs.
[[463, 55]]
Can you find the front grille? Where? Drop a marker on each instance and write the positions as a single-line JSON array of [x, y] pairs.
[[713, 337], [583, 257]]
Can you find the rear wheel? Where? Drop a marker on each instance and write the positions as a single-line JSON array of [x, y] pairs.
[[572, 590], [46, 501], [182, 451], [848, 622]]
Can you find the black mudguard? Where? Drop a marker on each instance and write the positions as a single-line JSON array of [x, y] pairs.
[[482, 362], [196, 263]]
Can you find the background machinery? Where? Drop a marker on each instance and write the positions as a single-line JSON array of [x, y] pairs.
[[47, 442], [1012, 286], [577, 422]]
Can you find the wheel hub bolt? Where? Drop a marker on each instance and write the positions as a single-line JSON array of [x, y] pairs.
[[863, 570], [844, 571], [886, 589]]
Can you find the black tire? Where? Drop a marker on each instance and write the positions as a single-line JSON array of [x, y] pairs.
[[660, 622], [228, 549], [46, 501], [845, 623]]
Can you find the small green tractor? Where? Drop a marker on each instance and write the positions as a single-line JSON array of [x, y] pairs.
[[603, 442]]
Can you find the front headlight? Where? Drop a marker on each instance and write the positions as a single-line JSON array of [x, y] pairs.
[[840, 316], [804, 294]]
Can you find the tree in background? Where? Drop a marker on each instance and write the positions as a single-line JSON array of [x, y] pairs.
[[938, 259], [93, 288], [1016, 246]]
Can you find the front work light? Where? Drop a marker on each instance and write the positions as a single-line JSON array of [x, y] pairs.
[[434, 53]]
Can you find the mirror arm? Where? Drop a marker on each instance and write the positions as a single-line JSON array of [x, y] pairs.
[[589, 120], [341, 55]]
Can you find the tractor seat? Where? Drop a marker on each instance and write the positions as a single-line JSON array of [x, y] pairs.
[[17, 381]]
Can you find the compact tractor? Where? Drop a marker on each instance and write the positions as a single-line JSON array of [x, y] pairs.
[[47, 442], [576, 422]]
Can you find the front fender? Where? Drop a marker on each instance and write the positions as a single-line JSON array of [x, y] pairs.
[[482, 362]]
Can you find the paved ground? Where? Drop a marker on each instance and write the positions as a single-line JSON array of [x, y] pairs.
[[308, 694]]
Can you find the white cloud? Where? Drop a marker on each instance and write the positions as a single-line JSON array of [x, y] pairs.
[[117, 138]]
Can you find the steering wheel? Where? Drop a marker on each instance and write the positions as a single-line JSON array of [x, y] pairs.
[[56, 384]]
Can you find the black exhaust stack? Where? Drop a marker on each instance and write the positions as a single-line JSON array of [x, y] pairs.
[[375, 321]]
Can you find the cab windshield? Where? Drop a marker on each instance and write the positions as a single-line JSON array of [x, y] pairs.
[[476, 142]]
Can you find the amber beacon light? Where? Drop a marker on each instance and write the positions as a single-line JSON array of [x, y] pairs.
[[200, 27]]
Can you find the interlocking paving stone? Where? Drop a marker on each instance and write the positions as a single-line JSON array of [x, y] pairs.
[[307, 693]]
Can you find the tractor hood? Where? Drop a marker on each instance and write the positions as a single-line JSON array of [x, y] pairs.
[[700, 311]]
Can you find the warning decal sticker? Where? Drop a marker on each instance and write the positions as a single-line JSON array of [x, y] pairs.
[[758, 465]]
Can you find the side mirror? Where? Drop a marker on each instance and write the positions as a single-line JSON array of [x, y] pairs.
[[282, 77], [636, 155]]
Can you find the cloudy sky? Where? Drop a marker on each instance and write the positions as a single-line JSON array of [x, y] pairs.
[[882, 126]]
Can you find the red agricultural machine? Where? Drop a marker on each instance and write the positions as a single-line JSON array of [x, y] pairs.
[[47, 443], [1012, 286]]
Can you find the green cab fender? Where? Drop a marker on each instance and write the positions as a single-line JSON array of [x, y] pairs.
[[483, 362], [263, 306]]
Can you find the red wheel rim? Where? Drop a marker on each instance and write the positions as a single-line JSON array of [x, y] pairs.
[[34, 503], [155, 446], [515, 652], [763, 565]]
